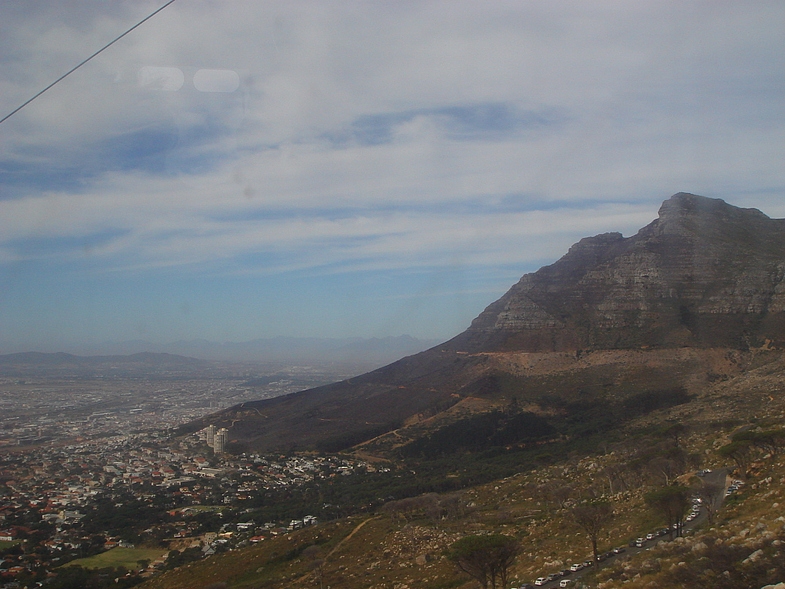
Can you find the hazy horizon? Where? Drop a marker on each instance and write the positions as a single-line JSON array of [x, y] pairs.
[[233, 172], [370, 352]]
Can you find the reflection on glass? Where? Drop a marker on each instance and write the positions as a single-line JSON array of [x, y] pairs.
[[216, 80]]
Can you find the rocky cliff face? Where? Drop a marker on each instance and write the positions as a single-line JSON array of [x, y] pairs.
[[704, 274], [666, 309]]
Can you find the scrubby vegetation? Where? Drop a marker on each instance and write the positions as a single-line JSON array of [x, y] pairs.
[[401, 529], [495, 429]]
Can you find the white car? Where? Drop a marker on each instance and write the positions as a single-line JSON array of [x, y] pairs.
[[565, 582], [540, 581]]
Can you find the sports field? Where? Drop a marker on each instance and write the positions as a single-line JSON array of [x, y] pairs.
[[116, 557]]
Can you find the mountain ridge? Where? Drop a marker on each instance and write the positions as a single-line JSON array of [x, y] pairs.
[[280, 349], [704, 275], [663, 287], [48, 358], [23, 364]]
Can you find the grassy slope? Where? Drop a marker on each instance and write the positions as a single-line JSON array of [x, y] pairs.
[[116, 557], [387, 552]]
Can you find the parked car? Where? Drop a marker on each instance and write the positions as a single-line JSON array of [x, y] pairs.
[[565, 582], [540, 581], [576, 567], [619, 550]]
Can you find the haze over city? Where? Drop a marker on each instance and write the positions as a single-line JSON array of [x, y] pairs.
[[249, 170]]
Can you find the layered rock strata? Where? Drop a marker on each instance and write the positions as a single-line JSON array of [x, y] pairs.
[[704, 273]]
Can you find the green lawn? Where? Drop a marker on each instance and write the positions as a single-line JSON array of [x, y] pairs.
[[116, 557], [4, 544]]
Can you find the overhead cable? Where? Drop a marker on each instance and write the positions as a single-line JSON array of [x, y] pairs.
[[72, 70]]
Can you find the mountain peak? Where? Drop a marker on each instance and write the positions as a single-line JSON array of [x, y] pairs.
[[705, 273], [691, 212], [688, 203]]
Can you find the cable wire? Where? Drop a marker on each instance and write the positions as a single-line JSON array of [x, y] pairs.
[[72, 70]]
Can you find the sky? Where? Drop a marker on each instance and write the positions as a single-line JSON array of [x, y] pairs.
[[239, 170]]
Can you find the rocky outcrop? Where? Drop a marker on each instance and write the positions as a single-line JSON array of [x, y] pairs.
[[704, 273]]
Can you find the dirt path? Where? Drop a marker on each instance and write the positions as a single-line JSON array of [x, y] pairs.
[[352, 533], [357, 528]]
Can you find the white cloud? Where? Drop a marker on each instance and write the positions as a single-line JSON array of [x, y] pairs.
[[378, 135]]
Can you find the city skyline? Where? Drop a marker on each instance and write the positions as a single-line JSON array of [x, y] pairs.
[[364, 170]]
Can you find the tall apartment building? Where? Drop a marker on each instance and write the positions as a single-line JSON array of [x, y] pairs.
[[221, 438]]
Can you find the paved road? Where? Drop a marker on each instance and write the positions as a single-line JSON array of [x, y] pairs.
[[718, 477]]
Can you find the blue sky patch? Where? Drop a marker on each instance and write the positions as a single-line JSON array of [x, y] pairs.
[[466, 122]]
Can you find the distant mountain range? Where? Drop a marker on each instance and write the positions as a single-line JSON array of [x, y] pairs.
[[27, 364], [616, 326], [199, 354], [61, 358], [289, 350]]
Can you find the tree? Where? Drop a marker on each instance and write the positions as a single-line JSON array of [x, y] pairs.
[[676, 432], [563, 494], [486, 558], [617, 475], [663, 467], [768, 441], [739, 452], [592, 517], [710, 494], [672, 503]]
